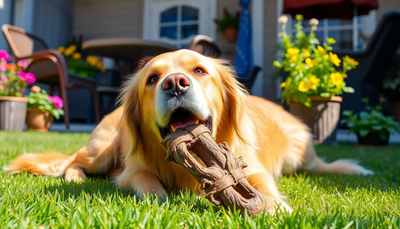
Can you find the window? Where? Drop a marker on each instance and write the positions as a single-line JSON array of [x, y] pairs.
[[178, 24], [177, 21], [349, 34]]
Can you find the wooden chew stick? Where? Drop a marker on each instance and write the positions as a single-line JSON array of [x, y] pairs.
[[220, 173]]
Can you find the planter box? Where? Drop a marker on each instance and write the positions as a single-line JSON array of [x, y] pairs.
[[373, 139], [322, 118], [12, 113]]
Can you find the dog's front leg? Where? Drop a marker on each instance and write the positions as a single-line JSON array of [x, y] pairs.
[[143, 182]]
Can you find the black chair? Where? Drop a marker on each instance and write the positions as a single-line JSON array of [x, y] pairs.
[[373, 63]]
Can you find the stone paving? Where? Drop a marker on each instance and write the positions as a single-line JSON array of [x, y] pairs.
[[342, 135]]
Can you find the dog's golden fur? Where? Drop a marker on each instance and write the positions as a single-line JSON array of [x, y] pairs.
[[126, 144]]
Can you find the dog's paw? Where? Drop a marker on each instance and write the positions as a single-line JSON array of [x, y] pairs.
[[75, 174]]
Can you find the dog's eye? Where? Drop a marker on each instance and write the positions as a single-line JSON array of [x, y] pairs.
[[152, 79], [199, 71]]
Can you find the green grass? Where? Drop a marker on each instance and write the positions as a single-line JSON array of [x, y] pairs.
[[318, 200]]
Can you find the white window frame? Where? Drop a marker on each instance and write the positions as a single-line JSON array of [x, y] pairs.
[[153, 8]]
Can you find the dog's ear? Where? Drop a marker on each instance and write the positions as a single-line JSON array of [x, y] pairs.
[[129, 99], [233, 94]]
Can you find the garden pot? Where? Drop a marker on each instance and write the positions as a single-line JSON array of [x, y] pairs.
[[38, 120], [322, 117], [12, 113], [396, 110], [231, 34], [373, 138]]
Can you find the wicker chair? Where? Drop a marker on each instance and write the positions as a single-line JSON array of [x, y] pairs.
[[48, 65]]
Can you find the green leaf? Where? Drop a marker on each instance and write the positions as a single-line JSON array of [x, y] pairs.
[[347, 113], [348, 89], [325, 94], [364, 115], [364, 132], [383, 135]]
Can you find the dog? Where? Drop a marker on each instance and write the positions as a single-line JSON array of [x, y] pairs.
[[175, 90]]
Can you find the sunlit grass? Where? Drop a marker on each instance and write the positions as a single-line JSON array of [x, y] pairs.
[[318, 200]]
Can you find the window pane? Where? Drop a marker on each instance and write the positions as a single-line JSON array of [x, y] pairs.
[[189, 30], [189, 13], [319, 34], [344, 38], [335, 22], [170, 15], [169, 32]]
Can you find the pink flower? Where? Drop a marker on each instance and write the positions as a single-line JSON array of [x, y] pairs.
[[22, 64], [2, 65], [1, 87], [4, 55], [4, 79], [57, 100], [30, 77], [22, 75]]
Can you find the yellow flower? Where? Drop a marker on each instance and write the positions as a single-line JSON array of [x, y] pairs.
[[293, 51], [283, 85], [337, 78], [311, 63], [321, 49], [293, 59], [311, 83], [303, 87], [353, 63], [92, 60], [314, 81], [335, 60], [306, 53], [331, 40], [276, 64], [71, 49], [61, 49], [77, 55]]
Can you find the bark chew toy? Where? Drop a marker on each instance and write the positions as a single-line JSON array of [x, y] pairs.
[[220, 174]]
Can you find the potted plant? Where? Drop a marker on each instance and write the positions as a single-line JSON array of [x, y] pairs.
[[371, 126], [391, 86], [13, 81], [229, 25], [77, 64], [315, 79], [42, 108]]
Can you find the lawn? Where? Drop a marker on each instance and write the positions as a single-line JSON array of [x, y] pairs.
[[318, 200]]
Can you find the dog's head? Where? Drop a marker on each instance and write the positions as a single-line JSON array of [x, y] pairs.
[[177, 89]]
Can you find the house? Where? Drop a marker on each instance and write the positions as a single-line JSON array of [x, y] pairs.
[[57, 21]]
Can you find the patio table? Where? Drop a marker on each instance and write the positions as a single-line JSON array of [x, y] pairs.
[[126, 52]]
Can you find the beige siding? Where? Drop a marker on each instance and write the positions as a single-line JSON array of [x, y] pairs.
[[270, 42], [386, 5], [107, 19]]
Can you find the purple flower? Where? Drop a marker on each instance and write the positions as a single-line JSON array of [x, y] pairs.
[[4, 55], [4, 79], [57, 100]]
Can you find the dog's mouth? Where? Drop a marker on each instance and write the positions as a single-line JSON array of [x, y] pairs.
[[180, 119]]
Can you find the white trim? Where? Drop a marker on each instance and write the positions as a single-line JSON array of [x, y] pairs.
[[257, 26]]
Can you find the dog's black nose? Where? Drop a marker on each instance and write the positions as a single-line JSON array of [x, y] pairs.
[[176, 84]]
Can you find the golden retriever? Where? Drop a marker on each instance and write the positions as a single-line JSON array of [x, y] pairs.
[[173, 91]]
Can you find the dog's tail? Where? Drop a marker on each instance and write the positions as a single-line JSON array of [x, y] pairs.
[[343, 166], [52, 164]]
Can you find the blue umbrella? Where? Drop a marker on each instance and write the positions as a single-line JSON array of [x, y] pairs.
[[244, 48]]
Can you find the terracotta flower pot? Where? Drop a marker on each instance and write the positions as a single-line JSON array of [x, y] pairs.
[[322, 117], [38, 120], [373, 139], [231, 34], [12, 113]]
